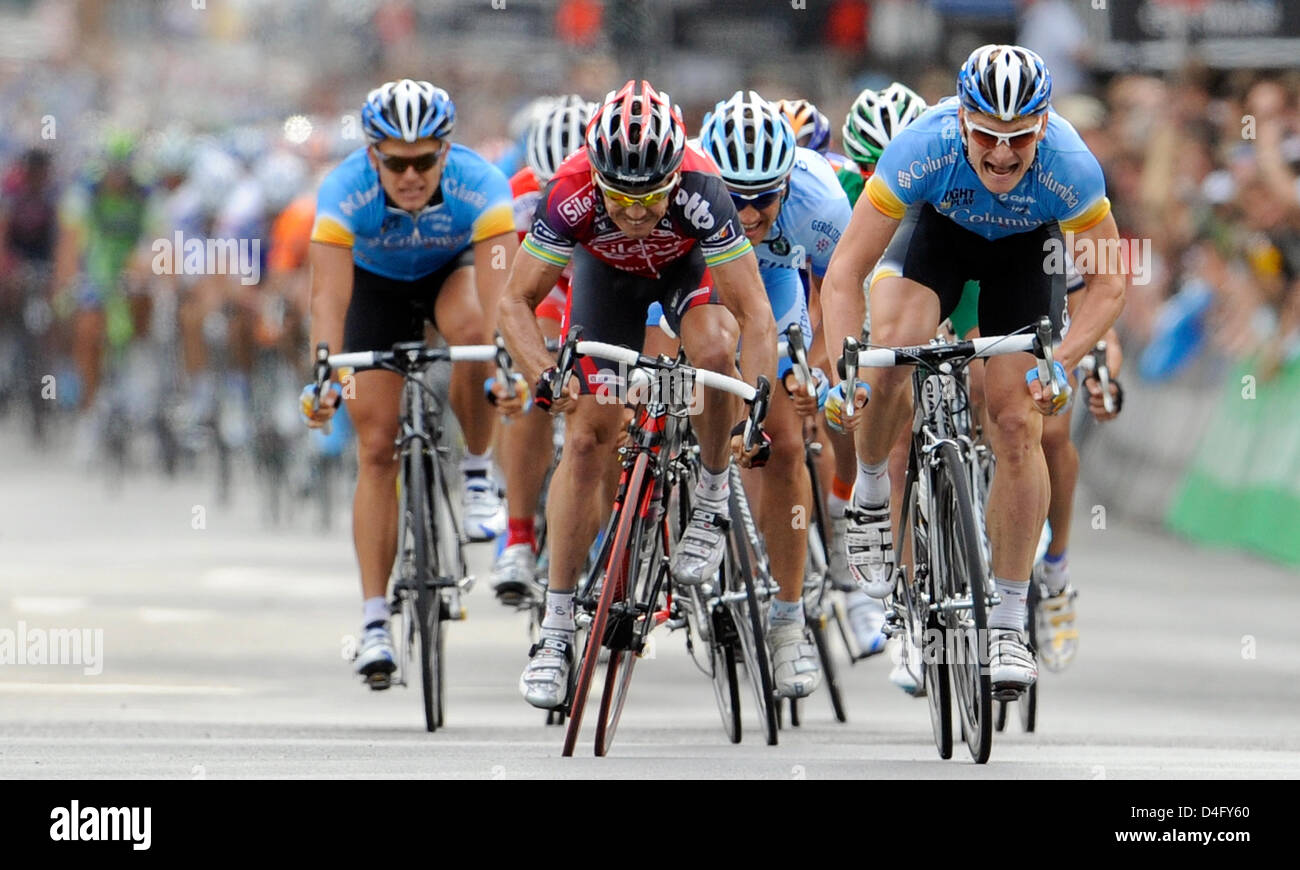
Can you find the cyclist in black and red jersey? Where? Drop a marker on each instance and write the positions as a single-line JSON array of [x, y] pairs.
[[641, 216]]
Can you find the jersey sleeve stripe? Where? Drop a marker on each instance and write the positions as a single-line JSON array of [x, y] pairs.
[[884, 199], [883, 272], [544, 254], [331, 232], [720, 257], [496, 220], [1088, 218]]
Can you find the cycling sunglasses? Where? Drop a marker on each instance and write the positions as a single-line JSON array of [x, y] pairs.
[[1016, 140], [759, 201], [624, 199], [421, 162]]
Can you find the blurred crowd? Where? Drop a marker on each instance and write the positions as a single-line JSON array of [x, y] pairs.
[[1202, 162]]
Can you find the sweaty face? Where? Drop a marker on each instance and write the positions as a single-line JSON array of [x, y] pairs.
[[410, 189], [1000, 167], [635, 221]]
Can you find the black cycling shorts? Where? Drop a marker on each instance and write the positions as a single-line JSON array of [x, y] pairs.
[[385, 311], [610, 305], [1016, 288]]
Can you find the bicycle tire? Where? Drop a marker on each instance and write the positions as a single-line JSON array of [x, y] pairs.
[[615, 578], [748, 617], [1028, 703], [922, 622], [645, 578], [427, 613], [815, 612], [964, 577], [830, 681]]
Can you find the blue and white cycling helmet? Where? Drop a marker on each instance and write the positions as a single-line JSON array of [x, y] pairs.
[[1005, 81], [750, 140], [407, 110]]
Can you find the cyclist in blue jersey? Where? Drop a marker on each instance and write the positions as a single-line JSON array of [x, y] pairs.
[[793, 211], [406, 227], [998, 177]]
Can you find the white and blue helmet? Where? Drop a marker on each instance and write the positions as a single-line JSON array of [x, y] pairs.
[[408, 110], [750, 140], [559, 131], [1005, 81]]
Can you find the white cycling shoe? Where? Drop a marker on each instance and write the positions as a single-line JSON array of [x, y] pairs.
[[514, 574], [1012, 668], [796, 669], [869, 549], [1058, 639], [483, 509], [866, 617], [699, 552], [376, 660], [545, 680]]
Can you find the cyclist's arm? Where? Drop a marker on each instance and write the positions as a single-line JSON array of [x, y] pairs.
[[740, 289], [492, 259], [843, 304], [530, 279], [331, 292], [1105, 299]]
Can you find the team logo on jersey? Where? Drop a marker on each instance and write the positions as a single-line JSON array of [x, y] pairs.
[[695, 209], [958, 197], [576, 206], [904, 179]]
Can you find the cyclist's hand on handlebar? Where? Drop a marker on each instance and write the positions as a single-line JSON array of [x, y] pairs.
[[758, 456], [318, 411], [806, 405], [1047, 404], [834, 407], [1096, 403], [498, 393], [565, 403]]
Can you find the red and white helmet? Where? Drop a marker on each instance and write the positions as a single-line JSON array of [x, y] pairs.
[[637, 138]]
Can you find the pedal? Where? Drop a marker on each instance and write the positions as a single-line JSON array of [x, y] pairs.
[[1004, 692], [378, 681]]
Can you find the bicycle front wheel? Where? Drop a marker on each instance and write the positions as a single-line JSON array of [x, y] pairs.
[[962, 587], [428, 614], [744, 565], [612, 589]]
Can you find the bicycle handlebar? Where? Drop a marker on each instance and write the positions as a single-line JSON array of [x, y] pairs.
[[415, 353], [710, 379]]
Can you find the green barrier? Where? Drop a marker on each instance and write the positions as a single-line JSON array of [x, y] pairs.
[[1242, 488]]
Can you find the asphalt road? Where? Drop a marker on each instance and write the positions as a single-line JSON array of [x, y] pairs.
[[222, 657]]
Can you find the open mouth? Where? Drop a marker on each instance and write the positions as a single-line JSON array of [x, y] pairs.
[[1001, 171], [750, 227]]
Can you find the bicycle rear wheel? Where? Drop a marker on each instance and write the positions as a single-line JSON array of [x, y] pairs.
[[745, 562], [612, 589], [963, 581]]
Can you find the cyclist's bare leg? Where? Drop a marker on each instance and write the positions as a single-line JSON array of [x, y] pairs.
[[903, 312], [710, 335], [89, 336], [785, 489], [1063, 472], [141, 305], [374, 410], [459, 318], [573, 515], [525, 445], [1020, 493]]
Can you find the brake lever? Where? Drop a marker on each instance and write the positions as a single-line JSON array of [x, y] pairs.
[[1102, 371], [849, 362], [1043, 350]]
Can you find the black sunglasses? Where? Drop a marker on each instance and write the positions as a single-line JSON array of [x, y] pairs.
[[421, 162], [759, 201]]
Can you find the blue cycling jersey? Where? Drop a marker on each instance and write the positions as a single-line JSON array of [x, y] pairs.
[[926, 162], [473, 203], [813, 216]]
